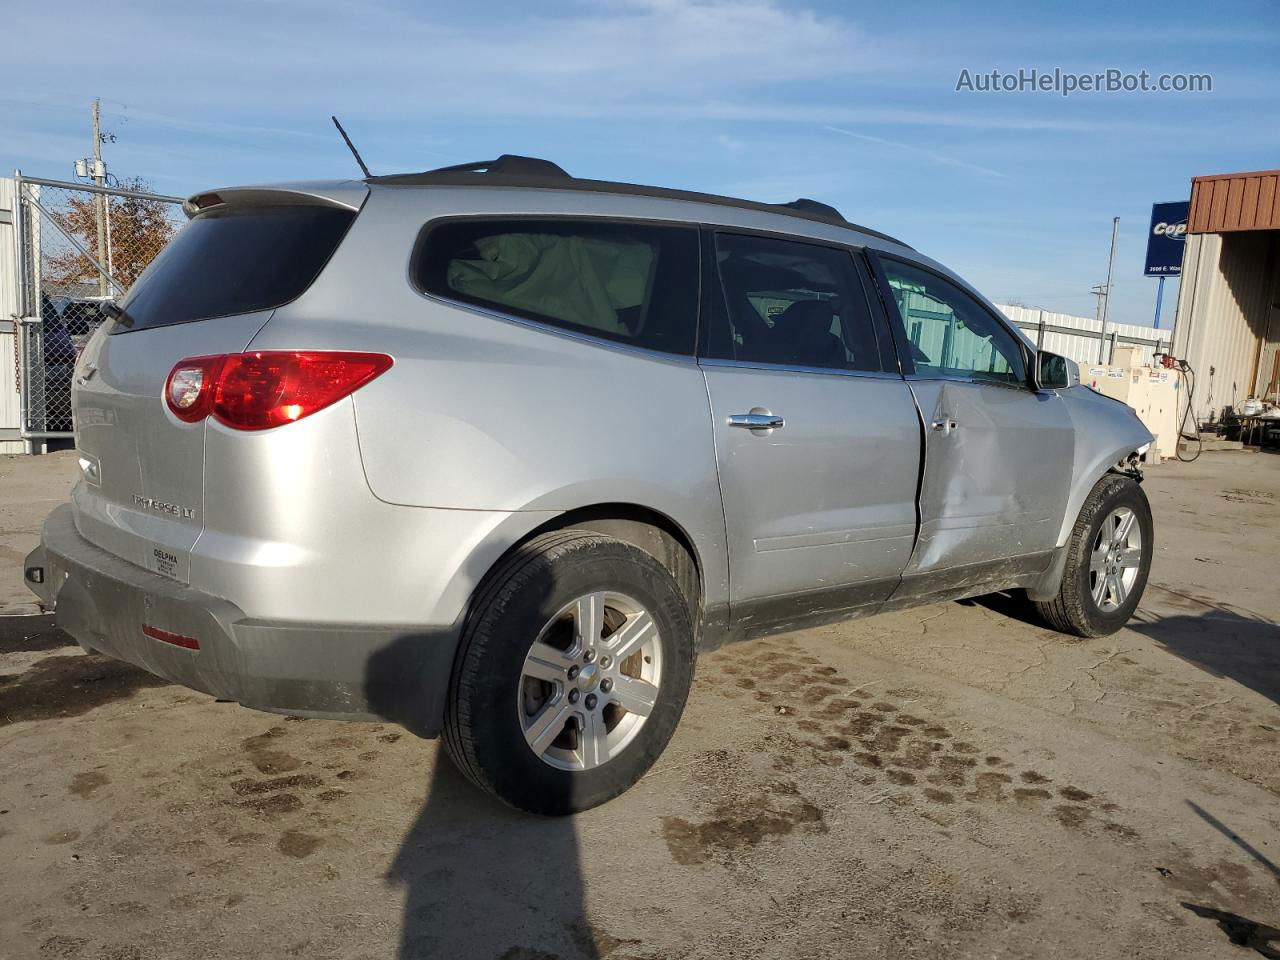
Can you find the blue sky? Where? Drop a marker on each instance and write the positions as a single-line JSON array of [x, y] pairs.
[[852, 104]]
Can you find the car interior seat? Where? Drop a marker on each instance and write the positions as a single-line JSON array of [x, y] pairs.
[[802, 335]]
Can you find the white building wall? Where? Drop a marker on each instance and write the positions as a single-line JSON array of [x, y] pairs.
[[10, 418], [1083, 346], [1225, 302]]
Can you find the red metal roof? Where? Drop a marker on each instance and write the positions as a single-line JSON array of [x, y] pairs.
[[1227, 202]]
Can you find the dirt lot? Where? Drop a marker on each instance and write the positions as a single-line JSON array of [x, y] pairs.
[[953, 781]]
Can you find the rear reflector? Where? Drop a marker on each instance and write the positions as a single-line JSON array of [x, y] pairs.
[[164, 636], [258, 391]]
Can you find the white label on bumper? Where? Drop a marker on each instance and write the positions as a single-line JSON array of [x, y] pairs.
[[169, 563]]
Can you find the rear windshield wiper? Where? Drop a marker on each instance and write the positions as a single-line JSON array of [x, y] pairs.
[[115, 312]]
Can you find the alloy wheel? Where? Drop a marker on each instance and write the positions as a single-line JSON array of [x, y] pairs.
[[1116, 557], [590, 681]]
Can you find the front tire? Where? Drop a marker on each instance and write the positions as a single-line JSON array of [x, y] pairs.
[[573, 672], [1108, 560]]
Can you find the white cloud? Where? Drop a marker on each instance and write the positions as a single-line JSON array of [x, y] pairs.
[[932, 155], [269, 69], [389, 59]]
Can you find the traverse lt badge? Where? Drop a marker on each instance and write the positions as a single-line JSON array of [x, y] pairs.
[[160, 506]]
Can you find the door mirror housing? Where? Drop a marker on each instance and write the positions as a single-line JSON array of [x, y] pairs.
[[1055, 372]]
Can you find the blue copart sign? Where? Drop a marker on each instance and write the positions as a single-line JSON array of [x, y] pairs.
[[1166, 239]]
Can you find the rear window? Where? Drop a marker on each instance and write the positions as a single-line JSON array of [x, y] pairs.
[[633, 283], [236, 261]]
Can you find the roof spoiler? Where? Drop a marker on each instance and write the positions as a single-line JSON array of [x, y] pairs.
[[346, 194]]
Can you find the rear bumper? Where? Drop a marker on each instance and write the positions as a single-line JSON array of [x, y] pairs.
[[341, 671]]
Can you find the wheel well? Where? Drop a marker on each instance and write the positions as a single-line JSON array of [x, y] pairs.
[[655, 533]]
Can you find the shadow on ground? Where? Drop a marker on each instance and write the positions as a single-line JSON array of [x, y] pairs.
[[481, 880], [28, 634], [1226, 643], [1008, 603], [1243, 932], [1258, 856], [68, 682]]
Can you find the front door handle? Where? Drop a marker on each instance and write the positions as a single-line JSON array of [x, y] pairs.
[[757, 421], [945, 426]]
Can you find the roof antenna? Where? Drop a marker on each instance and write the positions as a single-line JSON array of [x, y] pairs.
[[351, 146]]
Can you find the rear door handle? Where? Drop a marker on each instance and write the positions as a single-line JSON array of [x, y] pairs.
[[757, 421]]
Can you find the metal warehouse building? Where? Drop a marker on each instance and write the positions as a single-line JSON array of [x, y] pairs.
[[1228, 320]]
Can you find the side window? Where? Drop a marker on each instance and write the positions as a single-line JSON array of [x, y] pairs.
[[633, 283], [950, 333], [792, 303]]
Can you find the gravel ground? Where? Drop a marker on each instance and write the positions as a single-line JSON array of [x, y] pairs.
[[950, 781]]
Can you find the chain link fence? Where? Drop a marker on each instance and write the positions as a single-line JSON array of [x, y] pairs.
[[80, 245]]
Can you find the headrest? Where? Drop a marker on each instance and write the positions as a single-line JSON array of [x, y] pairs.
[[805, 319]]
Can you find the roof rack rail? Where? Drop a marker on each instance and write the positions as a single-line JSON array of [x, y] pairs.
[[805, 205], [509, 165], [510, 170]]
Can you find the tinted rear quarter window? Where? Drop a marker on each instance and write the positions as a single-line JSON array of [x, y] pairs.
[[236, 261], [627, 282]]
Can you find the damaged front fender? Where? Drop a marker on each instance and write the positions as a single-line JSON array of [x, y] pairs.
[[1108, 438]]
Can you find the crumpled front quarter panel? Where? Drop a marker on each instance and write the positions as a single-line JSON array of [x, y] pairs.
[[1107, 431]]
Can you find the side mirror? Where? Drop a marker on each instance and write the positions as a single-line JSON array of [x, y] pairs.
[[1054, 372]]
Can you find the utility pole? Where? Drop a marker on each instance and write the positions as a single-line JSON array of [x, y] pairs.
[[1099, 291], [100, 199], [1106, 303]]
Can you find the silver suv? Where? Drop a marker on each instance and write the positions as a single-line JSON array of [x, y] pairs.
[[493, 452]]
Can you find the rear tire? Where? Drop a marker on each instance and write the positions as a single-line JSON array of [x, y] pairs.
[[542, 712], [1108, 560]]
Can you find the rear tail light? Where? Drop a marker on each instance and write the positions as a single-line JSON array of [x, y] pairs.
[[257, 391], [189, 389]]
